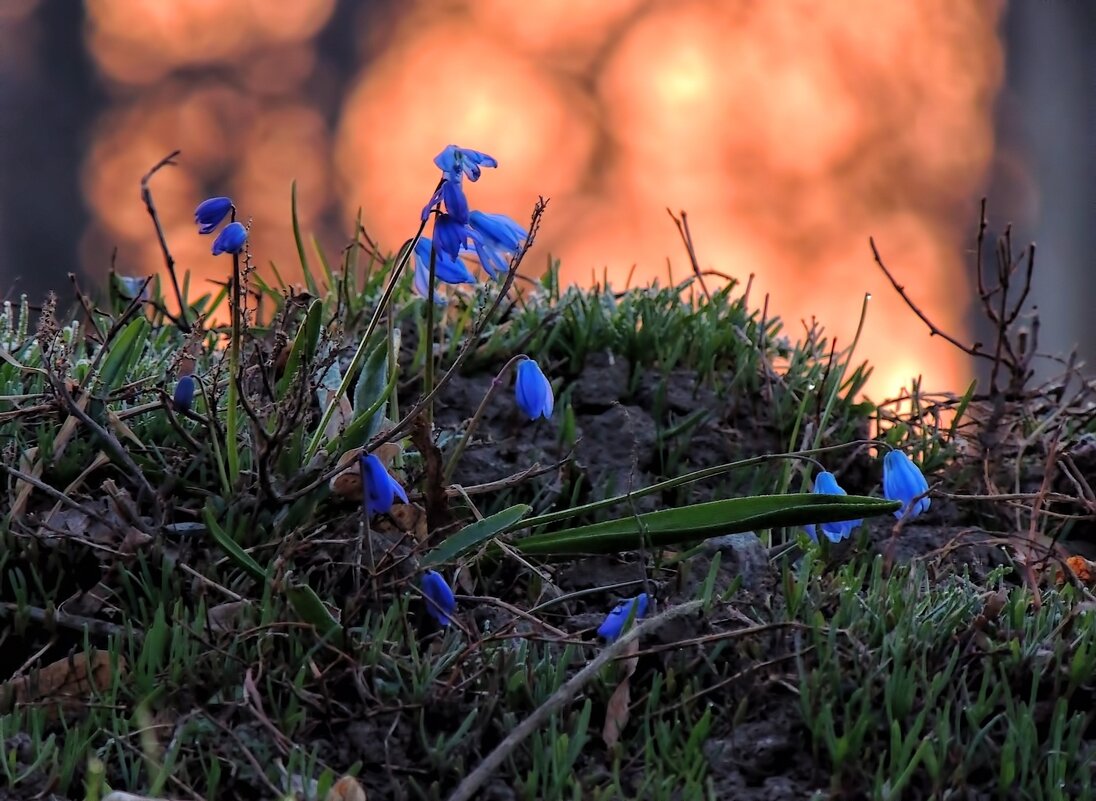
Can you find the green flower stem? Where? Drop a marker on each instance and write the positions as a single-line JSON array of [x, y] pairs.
[[360, 354], [232, 449], [496, 382]]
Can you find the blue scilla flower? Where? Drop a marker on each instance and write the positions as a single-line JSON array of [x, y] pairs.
[[902, 481], [421, 285], [379, 490], [533, 391], [826, 484], [132, 286], [495, 237], [453, 161], [184, 393], [440, 602], [449, 235], [614, 622], [231, 239], [451, 271], [210, 212]]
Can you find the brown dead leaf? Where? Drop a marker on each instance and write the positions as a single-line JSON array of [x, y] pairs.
[[69, 681], [437, 502], [1081, 568], [616, 713], [227, 617], [409, 517], [346, 789]]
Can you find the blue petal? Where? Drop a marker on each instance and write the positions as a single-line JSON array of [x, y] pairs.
[[454, 160], [498, 229], [210, 212], [230, 240], [533, 391], [903, 482], [379, 490], [493, 264], [456, 204], [614, 622], [421, 284], [184, 393], [440, 602], [449, 235]]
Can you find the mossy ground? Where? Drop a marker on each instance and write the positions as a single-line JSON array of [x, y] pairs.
[[168, 627]]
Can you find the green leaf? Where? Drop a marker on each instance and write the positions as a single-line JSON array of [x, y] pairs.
[[237, 554], [372, 381], [701, 521], [473, 535], [304, 346], [313, 611], [309, 280], [123, 352]]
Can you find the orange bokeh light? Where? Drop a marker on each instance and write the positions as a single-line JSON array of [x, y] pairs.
[[789, 132]]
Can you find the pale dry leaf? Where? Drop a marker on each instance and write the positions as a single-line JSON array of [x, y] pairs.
[[69, 681], [346, 789], [227, 617], [616, 713]]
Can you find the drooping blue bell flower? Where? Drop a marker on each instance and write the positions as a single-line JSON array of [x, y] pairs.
[[495, 237], [533, 391], [456, 160], [421, 284], [613, 625], [440, 602], [451, 271], [210, 212], [903, 481], [231, 239], [379, 489], [826, 484], [184, 393]]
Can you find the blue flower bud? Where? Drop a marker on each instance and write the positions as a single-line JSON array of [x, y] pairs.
[[826, 484], [379, 490], [210, 212], [902, 481], [231, 239], [440, 602], [184, 393], [614, 622], [454, 160], [133, 285], [533, 391]]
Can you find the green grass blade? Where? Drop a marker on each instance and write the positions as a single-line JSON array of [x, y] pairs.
[[304, 346], [312, 610], [700, 521], [237, 554], [309, 280], [123, 352], [473, 535]]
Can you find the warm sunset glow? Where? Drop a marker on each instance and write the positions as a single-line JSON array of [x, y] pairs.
[[789, 132]]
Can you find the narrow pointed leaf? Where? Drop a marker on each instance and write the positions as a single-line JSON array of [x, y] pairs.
[[304, 346], [312, 610], [472, 536], [701, 521]]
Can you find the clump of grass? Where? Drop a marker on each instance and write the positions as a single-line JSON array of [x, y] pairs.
[[254, 634]]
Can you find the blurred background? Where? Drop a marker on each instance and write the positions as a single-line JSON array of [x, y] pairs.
[[789, 132]]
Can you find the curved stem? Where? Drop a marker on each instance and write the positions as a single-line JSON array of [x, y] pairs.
[[496, 382]]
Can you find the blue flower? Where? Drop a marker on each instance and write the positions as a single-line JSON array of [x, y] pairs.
[[452, 194], [449, 236], [440, 602], [210, 212], [902, 481], [184, 393], [456, 160], [133, 285], [230, 240], [451, 271], [533, 391], [379, 490], [495, 236], [826, 484], [421, 284], [614, 622]]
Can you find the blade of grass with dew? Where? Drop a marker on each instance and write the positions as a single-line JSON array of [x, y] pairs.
[[701, 521]]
